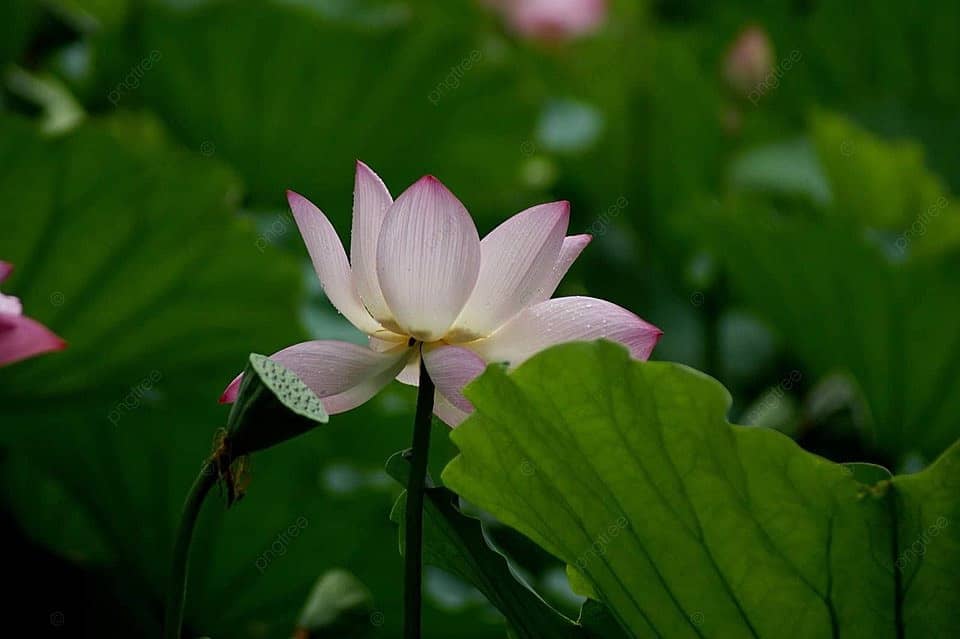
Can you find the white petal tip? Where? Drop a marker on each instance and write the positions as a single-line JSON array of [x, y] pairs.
[[298, 203], [645, 340], [365, 176], [431, 185], [434, 184], [559, 211], [363, 167]]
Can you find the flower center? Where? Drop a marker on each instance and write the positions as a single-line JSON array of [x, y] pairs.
[[460, 335]]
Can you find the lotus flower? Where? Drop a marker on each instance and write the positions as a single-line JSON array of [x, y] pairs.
[[749, 61], [421, 283], [552, 19], [20, 336]]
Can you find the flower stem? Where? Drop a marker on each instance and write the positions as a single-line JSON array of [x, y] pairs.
[[413, 533], [176, 596]]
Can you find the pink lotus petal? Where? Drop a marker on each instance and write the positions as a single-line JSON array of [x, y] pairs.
[[516, 260], [428, 258], [22, 337], [555, 19], [567, 319], [573, 245], [451, 368], [371, 199], [330, 262], [5, 269], [342, 374], [10, 305], [229, 394], [447, 412]]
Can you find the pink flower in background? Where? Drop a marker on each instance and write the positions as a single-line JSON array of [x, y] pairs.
[[419, 280], [749, 61], [20, 336], [552, 19]]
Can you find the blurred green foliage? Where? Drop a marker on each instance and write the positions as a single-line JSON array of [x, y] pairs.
[[812, 228]]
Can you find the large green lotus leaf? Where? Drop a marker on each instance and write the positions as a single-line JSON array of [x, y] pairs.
[[842, 305], [133, 254], [291, 97], [862, 282], [884, 184], [688, 526]]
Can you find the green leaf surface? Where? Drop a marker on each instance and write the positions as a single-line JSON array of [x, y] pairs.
[[686, 526], [886, 185], [596, 620], [852, 309], [291, 97]]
